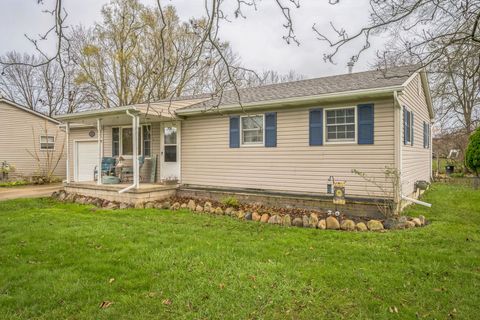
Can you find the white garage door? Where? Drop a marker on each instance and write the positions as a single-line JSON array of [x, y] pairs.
[[86, 160]]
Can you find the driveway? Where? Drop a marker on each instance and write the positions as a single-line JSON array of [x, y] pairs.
[[29, 191]]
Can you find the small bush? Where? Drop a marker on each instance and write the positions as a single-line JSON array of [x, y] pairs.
[[231, 201], [472, 155], [13, 183], [457, 175]]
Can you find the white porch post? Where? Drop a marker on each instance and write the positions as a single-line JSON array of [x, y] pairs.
[[67, 131], [100, 150], [136, 166]]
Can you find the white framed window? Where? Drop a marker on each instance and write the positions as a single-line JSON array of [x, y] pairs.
[[122, 141], [252, 130], [340, 125], [47, 143]]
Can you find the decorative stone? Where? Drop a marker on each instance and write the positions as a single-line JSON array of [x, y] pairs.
[[297, 222], [191, 205], [409, 224], [287, 220], [212, 210], [422, 219], [175, 206], [166, 205], [374, 225], [306, 221], [207, 206], [313, 220], [240, 214], [112, 206], [332, 223], [256, 216], [218, 211], [199, 208], [124, 205], [264, 218], [417, 222], [275, 219], [229, 211], [248, 216], [361, 226], [347, 225], [98, 202], [149, 205], [183, 206], [139, 205], [394, 224], [322, 224]]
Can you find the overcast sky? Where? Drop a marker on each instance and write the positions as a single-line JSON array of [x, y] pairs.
[[257, 39]]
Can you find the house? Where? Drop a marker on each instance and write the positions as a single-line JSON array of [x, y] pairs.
[[283, 142], [30, 141]]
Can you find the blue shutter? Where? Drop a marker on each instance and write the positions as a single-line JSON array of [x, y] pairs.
[[316, 127], [234, 132], [405, 125], [412, 127], [428, 135], [366, 122], [270, 129]]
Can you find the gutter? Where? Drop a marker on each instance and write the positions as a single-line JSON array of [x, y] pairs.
[[376, 92], [89, 114]]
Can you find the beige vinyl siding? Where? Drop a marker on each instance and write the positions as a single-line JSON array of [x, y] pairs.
[[292, 166], [20, 133], [81, 134], [416, 162]]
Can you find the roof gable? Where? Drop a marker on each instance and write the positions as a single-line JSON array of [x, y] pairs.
[[23, 108]]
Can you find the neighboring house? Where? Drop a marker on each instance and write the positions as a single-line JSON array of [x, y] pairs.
[[284, 139], [30, 140]]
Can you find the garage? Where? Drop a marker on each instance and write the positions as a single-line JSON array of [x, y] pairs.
[[85, 160]]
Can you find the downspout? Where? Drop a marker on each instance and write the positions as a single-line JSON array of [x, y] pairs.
[[134, 152], [400, 145], [426, 204]]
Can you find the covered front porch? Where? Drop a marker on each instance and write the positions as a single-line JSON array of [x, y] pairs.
[[124, 150]]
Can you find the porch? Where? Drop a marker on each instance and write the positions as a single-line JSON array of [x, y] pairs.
[[145, 192]]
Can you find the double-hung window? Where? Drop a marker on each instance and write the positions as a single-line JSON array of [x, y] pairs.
[[408, 126], [340, 124], [122, 141], [252, 128], [47, 143]]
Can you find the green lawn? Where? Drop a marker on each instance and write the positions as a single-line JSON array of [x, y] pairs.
[[57, 261]]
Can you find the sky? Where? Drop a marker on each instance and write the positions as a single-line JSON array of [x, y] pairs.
[[256, 39]]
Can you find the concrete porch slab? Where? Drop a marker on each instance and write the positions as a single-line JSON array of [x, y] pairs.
[[147, 191]]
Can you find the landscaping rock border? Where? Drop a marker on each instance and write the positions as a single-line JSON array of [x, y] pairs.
[[257, 213]]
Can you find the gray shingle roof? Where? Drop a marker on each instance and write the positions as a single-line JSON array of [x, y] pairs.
[[311, 87]]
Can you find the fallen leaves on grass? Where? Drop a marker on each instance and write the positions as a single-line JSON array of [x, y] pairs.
[[167, 302], [393, 309], [105, 304], [111, 280]]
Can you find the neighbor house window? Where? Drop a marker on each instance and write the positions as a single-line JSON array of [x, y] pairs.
[[252, 130], [340, 124], [47, 143]]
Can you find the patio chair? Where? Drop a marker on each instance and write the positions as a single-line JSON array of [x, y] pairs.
[[126, 171], [108, 167]]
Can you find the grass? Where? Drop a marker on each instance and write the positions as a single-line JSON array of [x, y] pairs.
[[57, 261]]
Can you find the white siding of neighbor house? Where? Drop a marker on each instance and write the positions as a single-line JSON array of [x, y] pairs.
[[292, 166], [81, 134], [20, 133], [416, 162]]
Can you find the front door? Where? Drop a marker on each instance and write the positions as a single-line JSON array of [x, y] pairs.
[[170, 151]]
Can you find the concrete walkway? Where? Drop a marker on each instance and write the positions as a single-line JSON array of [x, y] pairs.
[[29, 191]]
